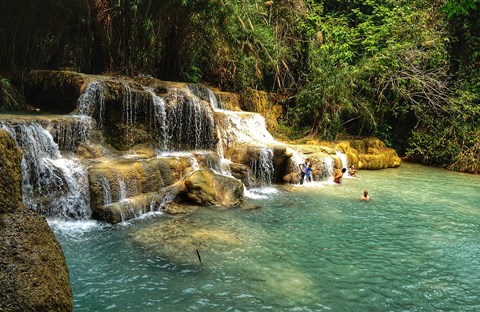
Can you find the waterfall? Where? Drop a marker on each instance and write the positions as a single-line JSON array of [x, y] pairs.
[[343, 158], [263, 168], [246, 127], [92, 102], [107, 193], [129, 109], [191, 124], [160, 120], [328, 165], [213, 100], [122, 190], [51, 184], [69, 134]]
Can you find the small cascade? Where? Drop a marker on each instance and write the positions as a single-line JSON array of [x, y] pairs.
[[129, 109], [263, 167], [122, 190], [52, 185], [69, 134], [213, 100], [92, 102], [343, 158], [107, 193], [328, 166], [191, 124], [246, 127], [159, 120]]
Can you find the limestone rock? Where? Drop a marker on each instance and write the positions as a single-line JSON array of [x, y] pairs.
[[373, 154], [207, 188], [53, 90], [138, 205], [10, 175], [33, 271]]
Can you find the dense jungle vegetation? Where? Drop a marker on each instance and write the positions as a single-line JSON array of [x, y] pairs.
[[404, 71]]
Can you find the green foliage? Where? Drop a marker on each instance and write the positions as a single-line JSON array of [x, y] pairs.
[[10, 98], [455, 8]]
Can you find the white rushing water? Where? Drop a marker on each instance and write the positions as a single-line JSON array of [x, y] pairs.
[[52, 185], [92, 102], [160, 120]]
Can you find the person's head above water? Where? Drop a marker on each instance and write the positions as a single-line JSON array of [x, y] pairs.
[[344, 169], [365, 193]]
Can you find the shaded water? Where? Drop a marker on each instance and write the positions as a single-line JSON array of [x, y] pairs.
[[414, 247]]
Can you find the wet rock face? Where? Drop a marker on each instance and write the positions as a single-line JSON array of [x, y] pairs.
[[33, 271], [10, 175]]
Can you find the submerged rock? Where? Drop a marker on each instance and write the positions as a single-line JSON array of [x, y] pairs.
[[178, 239], [33, 270]]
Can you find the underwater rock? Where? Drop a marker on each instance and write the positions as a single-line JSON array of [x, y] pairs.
[[177, 239], [207, 188], [33, 270]]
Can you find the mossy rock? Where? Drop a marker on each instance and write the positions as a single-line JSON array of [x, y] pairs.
[[11, 181], [54, 91], [206, 188], [33, 270]]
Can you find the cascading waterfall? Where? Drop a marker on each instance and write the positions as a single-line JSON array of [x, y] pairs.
[[51, 184], [343, 158], [160, 125], [191, 124], [69, 134], [213, 100], [92, 102], [122, 190], [107, 193], [246, 127], [129, 109], [328, 166], [263, 168]]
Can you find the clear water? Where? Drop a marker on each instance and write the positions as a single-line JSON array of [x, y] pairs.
[[414, 247]]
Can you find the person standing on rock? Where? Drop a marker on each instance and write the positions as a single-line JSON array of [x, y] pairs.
[[303, 169]]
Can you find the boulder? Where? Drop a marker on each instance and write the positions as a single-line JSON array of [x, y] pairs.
[[206, 188], [33, 270], [373, 154], [54, 91]]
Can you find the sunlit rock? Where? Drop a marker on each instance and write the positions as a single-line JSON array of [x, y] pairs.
[[206, 188]]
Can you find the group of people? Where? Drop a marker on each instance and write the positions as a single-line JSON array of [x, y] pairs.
[[306, 173]]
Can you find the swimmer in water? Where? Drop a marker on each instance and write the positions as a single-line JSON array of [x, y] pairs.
[[365, 196]]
